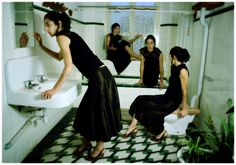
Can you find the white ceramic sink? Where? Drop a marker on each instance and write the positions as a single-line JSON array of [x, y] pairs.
[[22, 69], [32, 97]]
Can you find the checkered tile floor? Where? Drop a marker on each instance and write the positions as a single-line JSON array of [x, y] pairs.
[[59, 144]]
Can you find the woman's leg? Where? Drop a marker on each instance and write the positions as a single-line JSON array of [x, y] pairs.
[[84, 144], [98, 150], [132, 53], [159, 136], [132, 125]]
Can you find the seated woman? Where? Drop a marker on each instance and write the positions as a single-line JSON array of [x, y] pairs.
[[151, 64], [151, 110], [118, 49]]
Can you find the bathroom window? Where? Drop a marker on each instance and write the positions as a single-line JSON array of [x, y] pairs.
[[123, 18], [133, 19], [144, 24]]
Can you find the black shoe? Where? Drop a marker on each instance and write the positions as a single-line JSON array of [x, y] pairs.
[[94, 159], [163, 137], [132, 133], [87, 147]]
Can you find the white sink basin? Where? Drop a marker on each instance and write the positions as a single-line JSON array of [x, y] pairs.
[[18, 70], [32, 97]]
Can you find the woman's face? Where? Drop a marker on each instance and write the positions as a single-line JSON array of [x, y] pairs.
[[50, 27], [116, 30], [150, 44], [173, 59]]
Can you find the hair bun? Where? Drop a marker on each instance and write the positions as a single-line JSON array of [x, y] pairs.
[[185, 54], [181, 53]]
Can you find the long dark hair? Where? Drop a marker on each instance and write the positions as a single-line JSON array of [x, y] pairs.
[[181, 54], [56, 17], [150, 37], [113, 26]]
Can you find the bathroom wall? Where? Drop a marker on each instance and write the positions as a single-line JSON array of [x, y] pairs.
[[12, 118], [218, 83], [170, 26]]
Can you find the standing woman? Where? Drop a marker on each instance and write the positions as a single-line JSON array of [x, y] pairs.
[[151, 63], [118, 49], [151, 110], [98, 117]]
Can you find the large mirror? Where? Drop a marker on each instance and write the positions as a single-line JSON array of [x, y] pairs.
[[24, 24]]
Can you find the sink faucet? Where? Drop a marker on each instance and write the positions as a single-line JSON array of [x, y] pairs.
[[41, 79], [29, 84]]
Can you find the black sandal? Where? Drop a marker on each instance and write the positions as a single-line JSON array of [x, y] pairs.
[[132, 133], [163, 137], [87, 147], [94, 159]]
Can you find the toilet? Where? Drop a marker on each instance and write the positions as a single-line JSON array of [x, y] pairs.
[[175, 125]]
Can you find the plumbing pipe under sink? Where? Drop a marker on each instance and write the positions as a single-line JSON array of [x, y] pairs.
[[32, 119]]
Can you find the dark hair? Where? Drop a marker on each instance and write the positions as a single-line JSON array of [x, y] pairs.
[[181, 54], [56, 17], [150, 37], [113, 26]]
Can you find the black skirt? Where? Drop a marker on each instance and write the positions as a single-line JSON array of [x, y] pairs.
[[98, 117], [120, 57], [151, 110]]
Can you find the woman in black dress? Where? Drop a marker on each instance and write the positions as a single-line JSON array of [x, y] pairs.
[[98, 117], [151, 110], [151, 64], [118, 49]]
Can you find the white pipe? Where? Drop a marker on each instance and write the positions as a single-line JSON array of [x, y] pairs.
[[26, 125], [195, 99]]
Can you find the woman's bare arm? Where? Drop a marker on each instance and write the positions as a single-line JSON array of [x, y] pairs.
[[161, 69], [184, 85], [64, 43], [53, 54]]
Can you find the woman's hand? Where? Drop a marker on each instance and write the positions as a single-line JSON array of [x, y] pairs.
[[48, 94], [138, 36], [23, 40], [182, 113], [140, 82], [38, 37], [113, 48], [161, 84]]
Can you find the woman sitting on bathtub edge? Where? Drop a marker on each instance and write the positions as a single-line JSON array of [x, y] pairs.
[[151, 110]]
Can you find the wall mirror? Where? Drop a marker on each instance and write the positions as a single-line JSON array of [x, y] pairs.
[[24, 24]]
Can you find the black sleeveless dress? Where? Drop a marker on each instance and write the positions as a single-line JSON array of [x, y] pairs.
[[98, 116], [151, 66], [151, 110], [119, 57]]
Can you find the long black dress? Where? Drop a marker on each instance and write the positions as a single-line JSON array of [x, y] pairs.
[[151, 110], [119, 57], [151, 66], [98, 116]]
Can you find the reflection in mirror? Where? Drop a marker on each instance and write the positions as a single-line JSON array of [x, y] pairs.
[[24, 24]]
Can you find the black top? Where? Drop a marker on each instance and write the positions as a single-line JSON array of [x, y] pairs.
[[82, 56], [174, 90], [151, 66], [114, 40]]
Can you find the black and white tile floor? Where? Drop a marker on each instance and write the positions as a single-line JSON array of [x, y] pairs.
[[59, 144]]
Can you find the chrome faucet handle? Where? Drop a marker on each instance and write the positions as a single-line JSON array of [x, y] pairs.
[[28, 84], [41, 78]]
